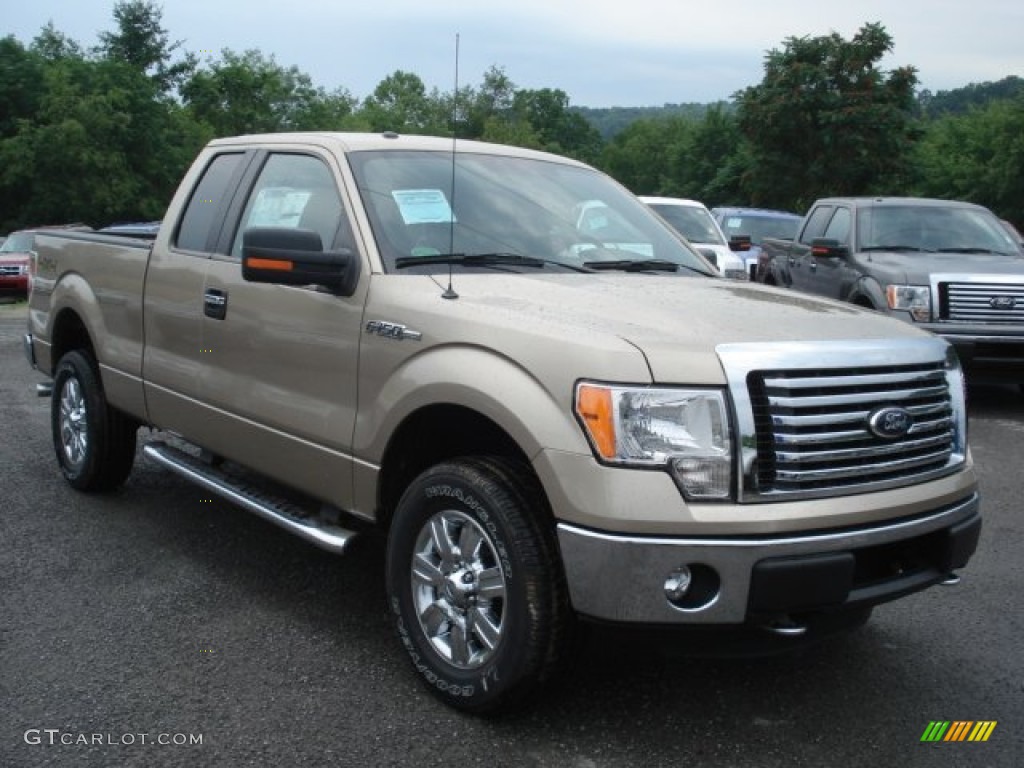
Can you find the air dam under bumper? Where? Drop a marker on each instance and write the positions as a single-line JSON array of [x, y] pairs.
[[734, 580]]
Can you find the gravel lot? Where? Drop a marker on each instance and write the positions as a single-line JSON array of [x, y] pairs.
[[156, 614]]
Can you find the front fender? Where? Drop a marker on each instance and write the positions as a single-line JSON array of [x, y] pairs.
[[478, 379], [867, 290]]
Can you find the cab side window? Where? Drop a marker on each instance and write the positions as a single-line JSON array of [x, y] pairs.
[[816, 224], [294, 191], [201, 222], [839, 228]]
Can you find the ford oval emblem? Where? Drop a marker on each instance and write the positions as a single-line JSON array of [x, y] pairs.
[[890, 423], [1002, 302]]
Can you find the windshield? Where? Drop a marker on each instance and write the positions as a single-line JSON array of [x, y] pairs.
[[19, 242], [933, 228], [692, 222], [562, 215], [759, 227]]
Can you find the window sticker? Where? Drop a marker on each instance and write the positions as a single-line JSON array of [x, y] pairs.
[[423, 206], [278, 207], [733, 223]]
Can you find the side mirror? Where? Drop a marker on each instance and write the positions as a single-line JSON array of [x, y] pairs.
[[827, 248], [288, 256], [739, 243]]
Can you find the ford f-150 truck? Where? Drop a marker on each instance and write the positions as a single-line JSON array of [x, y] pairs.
[[948, 267], [342, 332]]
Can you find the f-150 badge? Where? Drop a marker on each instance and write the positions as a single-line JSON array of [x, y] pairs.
[[392, 330]]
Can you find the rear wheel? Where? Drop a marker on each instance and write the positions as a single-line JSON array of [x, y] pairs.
[[95, 444], [476, 585]]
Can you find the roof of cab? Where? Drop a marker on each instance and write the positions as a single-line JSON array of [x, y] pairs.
[[387, 141]]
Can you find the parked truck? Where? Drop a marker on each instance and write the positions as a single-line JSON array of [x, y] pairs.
[[951, 268], [347, 333]]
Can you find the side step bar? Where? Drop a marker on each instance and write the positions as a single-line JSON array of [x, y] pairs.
[[272, 508]]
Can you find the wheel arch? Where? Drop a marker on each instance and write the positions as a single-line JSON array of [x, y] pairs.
[[433, 434], [69, 333], [867, 293]]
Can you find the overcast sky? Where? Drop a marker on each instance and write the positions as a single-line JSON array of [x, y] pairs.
[[602, 53]]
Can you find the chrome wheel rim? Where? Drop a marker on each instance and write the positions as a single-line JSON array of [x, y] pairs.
[[458, 589], [74, 429]]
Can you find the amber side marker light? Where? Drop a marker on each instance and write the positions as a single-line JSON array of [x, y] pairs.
[[594, 407], [277, 264]]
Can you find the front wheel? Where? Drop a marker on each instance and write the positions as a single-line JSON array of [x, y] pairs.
[[476, 585], [95, 443]]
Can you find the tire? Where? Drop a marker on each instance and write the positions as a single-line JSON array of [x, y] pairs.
[[95, 444], [476, 586]]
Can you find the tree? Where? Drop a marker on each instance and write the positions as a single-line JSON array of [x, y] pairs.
[[489, 105], [400, 103], [977, 157], [824, 120], [21, 84], [54, 45], [251, 93], [142, 43], [640, 156], [557, 128]]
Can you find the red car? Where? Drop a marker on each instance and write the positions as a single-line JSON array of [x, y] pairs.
[[14, 261]]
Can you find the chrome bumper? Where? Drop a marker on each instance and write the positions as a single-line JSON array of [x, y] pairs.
[[623, 578]]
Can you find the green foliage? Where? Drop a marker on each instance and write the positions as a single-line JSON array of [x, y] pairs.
[[824, 120], [639, 156], [960, 101], [250, 93], [611, 121], [400, 103], [556, 127], [20, 85], [142, 43], [977, 157], [105, 134]]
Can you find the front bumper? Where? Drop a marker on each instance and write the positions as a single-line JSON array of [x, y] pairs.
[[622, 578], [989, 352]]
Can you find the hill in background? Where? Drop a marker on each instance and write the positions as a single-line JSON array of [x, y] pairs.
[[610, 121]]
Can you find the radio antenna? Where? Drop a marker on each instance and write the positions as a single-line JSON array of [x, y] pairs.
[[449, 292]]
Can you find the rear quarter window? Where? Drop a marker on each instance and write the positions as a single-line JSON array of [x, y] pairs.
[[203, 214]]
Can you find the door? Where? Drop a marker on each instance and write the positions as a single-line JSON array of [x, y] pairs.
[[279, 364], [801, 263], [173, 302], [826, 275]]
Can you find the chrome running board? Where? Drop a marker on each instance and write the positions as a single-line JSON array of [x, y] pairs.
[[274, 509]]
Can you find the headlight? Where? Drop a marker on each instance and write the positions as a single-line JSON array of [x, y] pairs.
[[684, 430], [915, 299]]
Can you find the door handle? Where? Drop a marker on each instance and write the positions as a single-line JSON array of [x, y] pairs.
[[215, 303]]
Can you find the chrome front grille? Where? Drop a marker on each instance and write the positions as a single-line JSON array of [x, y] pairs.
[[981, 302], [812, 427], [805, 410]]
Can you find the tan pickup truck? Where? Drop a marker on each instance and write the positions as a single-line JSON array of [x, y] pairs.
[[550, 422]]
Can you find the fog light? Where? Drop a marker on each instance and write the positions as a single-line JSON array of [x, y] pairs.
[[678, 584], [692, 587]]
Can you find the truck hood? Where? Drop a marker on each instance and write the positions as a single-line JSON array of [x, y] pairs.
[[676, 322], [917, 268]]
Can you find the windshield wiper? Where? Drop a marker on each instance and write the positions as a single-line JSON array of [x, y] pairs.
[[914, 248], [970, 250], [635, 265], [498, 259]]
